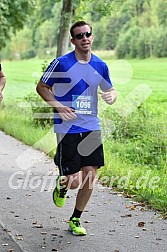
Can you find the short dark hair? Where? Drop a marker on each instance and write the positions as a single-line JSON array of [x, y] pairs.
[[79, 24]]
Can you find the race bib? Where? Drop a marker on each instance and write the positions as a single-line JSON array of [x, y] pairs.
[[82, 104]]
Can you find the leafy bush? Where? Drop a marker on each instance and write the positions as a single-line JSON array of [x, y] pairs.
[[30, 53], [141, 136], [42, 113]]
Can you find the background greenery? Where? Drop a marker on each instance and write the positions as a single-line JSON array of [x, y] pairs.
[[132, 28], [136, 148]]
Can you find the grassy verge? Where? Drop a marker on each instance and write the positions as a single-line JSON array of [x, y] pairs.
[[136, 156], [20, 124], [144, 184], [135, 151]]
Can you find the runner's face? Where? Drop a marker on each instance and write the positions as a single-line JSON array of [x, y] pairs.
[[84, 44]]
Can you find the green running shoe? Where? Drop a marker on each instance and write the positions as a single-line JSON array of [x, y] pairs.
[[59, 194], [75, 227]]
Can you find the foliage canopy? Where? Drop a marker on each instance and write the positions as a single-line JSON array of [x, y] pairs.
[[13, 15], [132, 28]]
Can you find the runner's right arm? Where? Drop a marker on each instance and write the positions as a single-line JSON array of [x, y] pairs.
[[47, 95]]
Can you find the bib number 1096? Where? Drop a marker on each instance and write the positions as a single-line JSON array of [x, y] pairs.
[[83, 104]]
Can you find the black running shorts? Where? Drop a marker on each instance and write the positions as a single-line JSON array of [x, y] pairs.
[[75, 151]]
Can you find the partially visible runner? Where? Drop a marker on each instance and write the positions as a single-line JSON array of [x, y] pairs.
[[2, 82], [70, 85]]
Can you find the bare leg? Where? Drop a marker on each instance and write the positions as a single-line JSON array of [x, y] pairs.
[[86, 188], [71, 181], [86, 179]]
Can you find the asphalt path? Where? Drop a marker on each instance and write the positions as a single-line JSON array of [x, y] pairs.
[[30, 222]]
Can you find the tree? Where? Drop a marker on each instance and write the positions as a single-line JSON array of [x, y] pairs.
[[47, 34], [65, 22], [69, 8], [20, 44], [162, 12], [113, 22], [44, 11], [160, 44], [12, 17]]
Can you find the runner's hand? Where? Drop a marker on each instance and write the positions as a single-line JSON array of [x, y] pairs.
[[107, 97], [66, 113]]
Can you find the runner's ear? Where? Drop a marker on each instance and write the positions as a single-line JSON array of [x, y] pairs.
[[73, 41]]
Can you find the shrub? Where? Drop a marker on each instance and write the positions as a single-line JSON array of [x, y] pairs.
[[42, 113], [141, 136]]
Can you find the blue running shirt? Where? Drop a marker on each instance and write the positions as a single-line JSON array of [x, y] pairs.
[[75, 84]]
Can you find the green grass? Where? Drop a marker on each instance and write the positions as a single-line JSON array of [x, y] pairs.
[[135, 154], [21, 77], [20, 125], [152, 72]]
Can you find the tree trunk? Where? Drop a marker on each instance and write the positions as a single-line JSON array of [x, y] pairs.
[[65, 22]]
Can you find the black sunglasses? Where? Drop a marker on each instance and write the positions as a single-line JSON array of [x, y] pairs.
[[81, 35]]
